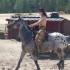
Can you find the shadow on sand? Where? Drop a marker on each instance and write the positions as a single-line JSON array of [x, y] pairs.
[[51, 56]]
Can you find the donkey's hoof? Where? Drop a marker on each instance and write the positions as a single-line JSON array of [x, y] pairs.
[[38, 69], [60, 66]]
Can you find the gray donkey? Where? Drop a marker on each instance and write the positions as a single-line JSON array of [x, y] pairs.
[[56, 42]]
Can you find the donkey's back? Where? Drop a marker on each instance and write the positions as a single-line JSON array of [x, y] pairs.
[[58, 39]]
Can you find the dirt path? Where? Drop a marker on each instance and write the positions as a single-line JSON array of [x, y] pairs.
[[9, 56]]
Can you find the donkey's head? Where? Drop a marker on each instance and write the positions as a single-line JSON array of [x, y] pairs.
[[23, 24], [14, 23]]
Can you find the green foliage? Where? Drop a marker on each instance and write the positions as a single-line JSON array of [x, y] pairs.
[[67, 9], [8, 6]]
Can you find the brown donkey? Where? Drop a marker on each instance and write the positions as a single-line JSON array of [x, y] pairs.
[[56, 42]]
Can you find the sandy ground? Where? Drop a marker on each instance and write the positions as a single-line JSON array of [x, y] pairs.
[[9, 55]]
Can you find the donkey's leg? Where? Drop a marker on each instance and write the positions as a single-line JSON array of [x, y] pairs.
[[37, 65], [33, 55], [61, 55], [61, 64], [20, 60]]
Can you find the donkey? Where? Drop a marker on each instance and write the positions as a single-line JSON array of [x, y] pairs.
[[56, 42]]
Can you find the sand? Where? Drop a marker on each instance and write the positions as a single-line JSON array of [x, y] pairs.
[[10, 52]]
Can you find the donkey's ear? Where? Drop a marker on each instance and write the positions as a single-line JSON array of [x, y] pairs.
[[19, 18]]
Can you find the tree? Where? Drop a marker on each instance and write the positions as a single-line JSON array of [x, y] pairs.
[[6, 6], [52, 5], [68, 7], [18, 7], [33, 5]]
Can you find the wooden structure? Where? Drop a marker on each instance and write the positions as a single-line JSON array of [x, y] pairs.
[[53, 25], [66, 27]]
